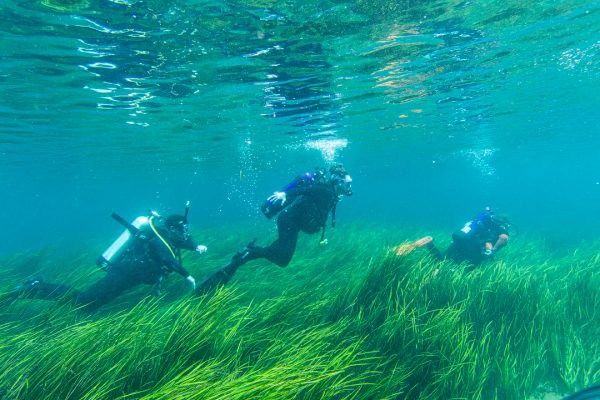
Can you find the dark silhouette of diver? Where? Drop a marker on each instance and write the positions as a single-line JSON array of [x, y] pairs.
[[303, 206], [144, 254], [591, 393], [479, 240]]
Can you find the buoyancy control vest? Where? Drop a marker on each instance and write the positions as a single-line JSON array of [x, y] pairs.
[[140, 229], [272, 207]]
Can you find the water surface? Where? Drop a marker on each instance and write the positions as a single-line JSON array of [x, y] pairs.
[[437, 108]]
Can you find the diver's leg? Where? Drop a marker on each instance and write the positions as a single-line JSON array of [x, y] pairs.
[[434, 251], [220, 277], [454, 252], [463, 253], [38, 289], [99, 293], [224, 275], [279, 252], [282, 250], [105, 290]]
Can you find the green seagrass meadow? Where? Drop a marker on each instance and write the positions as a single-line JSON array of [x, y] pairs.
[[344, 321]]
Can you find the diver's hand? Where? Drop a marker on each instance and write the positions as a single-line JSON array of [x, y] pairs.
[[192, 281], [278, 196], [488, 252], [201, 248]]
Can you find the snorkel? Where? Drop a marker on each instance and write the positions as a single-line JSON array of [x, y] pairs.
[[186, 211], [186, 241]]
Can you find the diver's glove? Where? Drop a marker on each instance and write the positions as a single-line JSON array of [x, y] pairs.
[[201, 248], [277, 196], [192, 281]]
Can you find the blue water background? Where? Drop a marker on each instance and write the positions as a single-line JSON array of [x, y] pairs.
[[436, 108]]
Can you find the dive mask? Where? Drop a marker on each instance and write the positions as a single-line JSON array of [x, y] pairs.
[[178, 231], [343, 185]]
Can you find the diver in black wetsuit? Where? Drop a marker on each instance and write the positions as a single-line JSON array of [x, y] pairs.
[[149, 257], [476, 242], [303, 206]]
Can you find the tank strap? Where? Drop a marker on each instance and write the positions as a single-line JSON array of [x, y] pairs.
[[161, 238], [333, 210], [332, 221]]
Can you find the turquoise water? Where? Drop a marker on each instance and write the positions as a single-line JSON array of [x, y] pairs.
[[436, 108]]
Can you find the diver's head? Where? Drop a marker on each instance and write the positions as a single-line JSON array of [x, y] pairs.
[[176, 230], [485, 217], [340, 179], [489, 218], [501, 221]]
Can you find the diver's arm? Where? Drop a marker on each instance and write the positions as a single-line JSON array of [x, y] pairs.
[[169, 261], [177, 267], [501, 242], [191, 245]]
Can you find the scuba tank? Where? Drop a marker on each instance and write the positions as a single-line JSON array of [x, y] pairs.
[[140, 228], [466, 233], [270, 208], [473, 227], [115, 251], [136, 238]]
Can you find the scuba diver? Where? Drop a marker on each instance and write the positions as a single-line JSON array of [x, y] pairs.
[[145, 253], [302, 206], [479, 240]]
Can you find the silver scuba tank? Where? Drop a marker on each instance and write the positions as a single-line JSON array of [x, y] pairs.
[[114, 252]]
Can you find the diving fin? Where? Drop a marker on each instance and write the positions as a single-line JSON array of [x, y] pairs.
[[407, 248], [224, 275]]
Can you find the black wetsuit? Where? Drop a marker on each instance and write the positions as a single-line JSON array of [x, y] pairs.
[[147, 262], [470, 246], [307, 210]]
